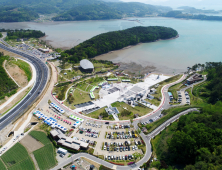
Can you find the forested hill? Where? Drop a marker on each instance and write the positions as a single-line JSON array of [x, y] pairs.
[[7, 85], [110, 10], [116, 40], [64, 10], [16, 14], [89, 12], [179, 14]]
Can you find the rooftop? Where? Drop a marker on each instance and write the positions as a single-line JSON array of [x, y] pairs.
[[86, 64]]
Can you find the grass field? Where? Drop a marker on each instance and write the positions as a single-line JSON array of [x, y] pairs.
[[154, 101], [80, 97], [96, 113], [135, 110], [24, 66], [2, 166], [16, 155], [40, 136], [195, 100], [26, 164], [44, 156]]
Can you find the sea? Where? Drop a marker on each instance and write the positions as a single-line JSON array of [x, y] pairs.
[[198, 42]]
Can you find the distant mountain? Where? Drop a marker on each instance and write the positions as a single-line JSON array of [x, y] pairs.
[[68, 10], [189, 9], [17, 14], [179, 14], [109, 10], [89, 12]]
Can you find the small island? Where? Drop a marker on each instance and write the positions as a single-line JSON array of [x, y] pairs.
[[116, 40]]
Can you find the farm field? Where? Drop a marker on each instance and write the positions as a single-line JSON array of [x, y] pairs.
[[27, 164], [44, 156], [17, 156], [40, 136], [2, 166]]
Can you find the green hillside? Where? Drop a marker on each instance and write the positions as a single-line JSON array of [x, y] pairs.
[[115, 40], [7, 85], [17, 14], [69, 10], [195, 141], [89, 12]]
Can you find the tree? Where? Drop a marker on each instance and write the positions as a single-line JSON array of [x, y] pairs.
[[137, 155]]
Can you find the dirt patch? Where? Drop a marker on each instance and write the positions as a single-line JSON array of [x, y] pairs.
[[17, 74], [92, 162], [30, 143], [9, 53]]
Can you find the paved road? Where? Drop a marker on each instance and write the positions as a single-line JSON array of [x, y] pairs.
[[41, 80], [164, 105], [190, 86], [146, 138]]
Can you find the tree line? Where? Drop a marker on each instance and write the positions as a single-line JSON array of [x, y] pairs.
[[14, 34], [116, 40], [7, 85]]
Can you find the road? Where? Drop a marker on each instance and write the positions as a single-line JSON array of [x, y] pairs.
[[40, 83], [164, 105], [146, 139]]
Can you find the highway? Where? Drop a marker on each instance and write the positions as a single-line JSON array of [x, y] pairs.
[[28, 100]]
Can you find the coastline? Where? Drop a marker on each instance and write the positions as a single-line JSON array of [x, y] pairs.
[[130, 46]]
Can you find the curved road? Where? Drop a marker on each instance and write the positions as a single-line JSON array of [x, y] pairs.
[[41, 80], [146, 139], [164, 105]]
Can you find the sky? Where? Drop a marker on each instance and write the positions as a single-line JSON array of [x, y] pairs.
[[207, 4]]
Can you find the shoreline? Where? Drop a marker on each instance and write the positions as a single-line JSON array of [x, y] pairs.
[[130, 46]]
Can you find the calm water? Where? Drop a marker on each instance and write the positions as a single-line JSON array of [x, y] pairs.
[[199, 41]]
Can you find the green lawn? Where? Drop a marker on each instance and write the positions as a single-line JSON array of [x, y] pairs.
[[195, 100], [2, 166], [97, 113], [82, 86], [165, 82], [15, 155], [154, 101], [94, 81], [26, 164], [44, 156], [135, 110], [80, 97]]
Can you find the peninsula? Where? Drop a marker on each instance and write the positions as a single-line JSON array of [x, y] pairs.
[[116, 40]]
